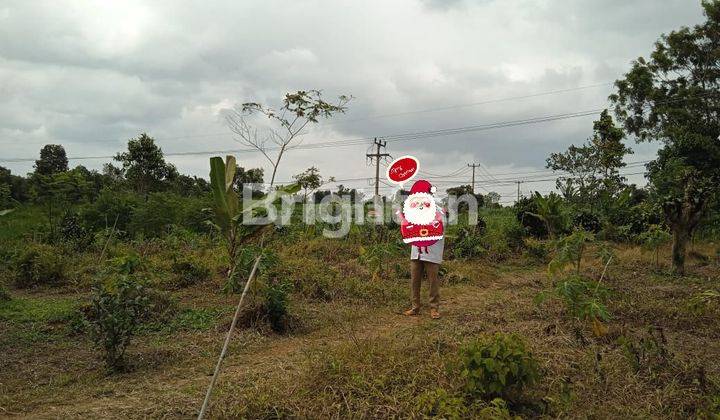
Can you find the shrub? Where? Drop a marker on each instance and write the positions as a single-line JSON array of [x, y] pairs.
[[497, 365], [537, 250], [111, 206], [72, 232], [153, 217], [468, 243], [189, 272], [587, 220], [116, 311], [276, 297], [40, 264], [524, 210], [378, 256]]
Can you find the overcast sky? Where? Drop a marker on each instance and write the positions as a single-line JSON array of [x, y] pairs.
[[91, 75]]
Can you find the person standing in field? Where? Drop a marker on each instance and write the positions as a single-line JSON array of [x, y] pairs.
[[421, 225]]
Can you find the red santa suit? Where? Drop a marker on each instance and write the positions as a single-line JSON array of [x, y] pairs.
[[421, 222]]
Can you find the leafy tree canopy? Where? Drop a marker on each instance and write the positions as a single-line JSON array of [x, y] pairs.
[[53, 159], [144, 164], [673, 97]]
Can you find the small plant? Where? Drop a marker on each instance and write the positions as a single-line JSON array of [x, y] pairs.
[[378, 256], [648, 353], [497, 410], [4, 294], [40, 265], [244, 264], [440, 403], [653, 240], [468, 243], [495, 366], [703, 301], [570, 250], [276, 299], [115, 313], [189, 272], [583, 298]]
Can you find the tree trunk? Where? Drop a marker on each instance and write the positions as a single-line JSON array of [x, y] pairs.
[[681, 236]]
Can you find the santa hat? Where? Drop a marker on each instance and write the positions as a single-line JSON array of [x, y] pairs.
[[422, 186]]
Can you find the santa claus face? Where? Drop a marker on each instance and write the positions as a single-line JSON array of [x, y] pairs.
[[420, 209]]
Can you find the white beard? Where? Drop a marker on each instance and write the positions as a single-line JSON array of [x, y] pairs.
[[416, 216]]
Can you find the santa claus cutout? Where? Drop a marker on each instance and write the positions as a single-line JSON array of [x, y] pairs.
[[421, 222]]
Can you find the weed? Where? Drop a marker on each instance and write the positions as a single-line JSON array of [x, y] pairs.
[[189, 272], [40, 264], [702, 302], [440, 403], [497, 365]]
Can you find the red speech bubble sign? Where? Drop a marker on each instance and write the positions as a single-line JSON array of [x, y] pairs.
[[403, 169]]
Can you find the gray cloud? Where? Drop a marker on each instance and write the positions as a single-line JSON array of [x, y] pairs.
[[90, 75]]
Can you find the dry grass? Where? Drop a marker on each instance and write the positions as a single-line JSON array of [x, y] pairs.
[[360, 358]]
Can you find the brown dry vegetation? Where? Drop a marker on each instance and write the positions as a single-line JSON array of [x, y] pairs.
[[353, 354]]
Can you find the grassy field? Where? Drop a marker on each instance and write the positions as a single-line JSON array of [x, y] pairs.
[[350, 353]]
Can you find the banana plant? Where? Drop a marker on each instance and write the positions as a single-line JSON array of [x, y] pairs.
[[228, 210], [226, 204]]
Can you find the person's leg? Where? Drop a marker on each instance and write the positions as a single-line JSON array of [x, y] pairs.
[[432, 270], [416, 273]]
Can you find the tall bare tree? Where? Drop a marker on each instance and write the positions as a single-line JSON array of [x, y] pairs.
[[298, 110]]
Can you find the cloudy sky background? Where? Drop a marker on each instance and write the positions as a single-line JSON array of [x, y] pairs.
[[90, 75]]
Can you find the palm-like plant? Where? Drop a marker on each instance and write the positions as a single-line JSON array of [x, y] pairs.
[[553, 211]]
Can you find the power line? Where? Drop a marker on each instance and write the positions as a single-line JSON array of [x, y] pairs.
[[373, 117], [471, 104]]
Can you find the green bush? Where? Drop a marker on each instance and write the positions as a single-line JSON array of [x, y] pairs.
[[154, 217], [40, 264], [189, 272], [468, 243], [116, 311], [498, 365], [537, 250], [110, 206], [72, 232]]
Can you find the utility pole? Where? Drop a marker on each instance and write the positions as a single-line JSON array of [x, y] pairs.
[[473, 166], [377, 155], [518, 184]]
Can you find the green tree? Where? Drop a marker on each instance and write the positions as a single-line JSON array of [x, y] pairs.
[[144, 165], [310, 179], [52, 160], [298, 111], [594, 166], [58, 192], [492, 199], [673, 97], [249, 176]]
